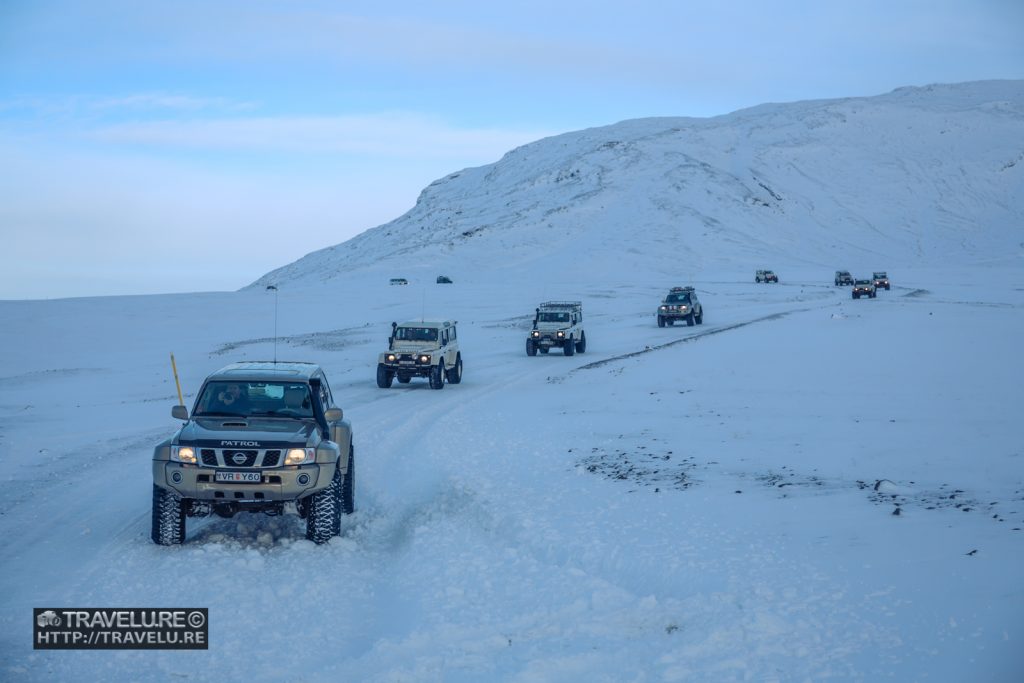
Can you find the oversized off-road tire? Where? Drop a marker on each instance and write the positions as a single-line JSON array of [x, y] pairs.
[[403, 379], [384, 376], [455, 374], [569, 347], [437, 376], [690, 320], [168, 517], [531, 348], [700, 317], [323, 519], [348, 488], [661, 321], [874, 294], [856, 296], [581, 345]]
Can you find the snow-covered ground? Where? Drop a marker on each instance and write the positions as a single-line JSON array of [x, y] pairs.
[[707, 503]]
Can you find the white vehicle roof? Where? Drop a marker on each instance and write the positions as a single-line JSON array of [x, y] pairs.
[[439, 324], [561, 305]]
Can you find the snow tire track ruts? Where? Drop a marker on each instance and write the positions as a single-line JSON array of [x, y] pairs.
[[691, 338]]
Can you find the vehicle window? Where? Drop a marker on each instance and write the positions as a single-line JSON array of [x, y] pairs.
[[249, 399], [678, 298], [416, 334], [553, 317], [454, 335]]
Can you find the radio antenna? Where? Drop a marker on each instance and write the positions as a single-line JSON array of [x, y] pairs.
[[274, 287]]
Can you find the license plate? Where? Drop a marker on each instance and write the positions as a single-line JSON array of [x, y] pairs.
[[238, 477]]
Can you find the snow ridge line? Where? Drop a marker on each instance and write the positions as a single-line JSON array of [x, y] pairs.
[[692, 337]]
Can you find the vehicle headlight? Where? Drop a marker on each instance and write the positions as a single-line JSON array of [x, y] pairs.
[[391, 358], [300, 456], [185, 454], [682, 308], [664, 308], [425, 358], [560, 334], [536, 333]]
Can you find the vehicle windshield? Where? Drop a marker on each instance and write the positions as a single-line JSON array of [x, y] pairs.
[[862, 282], [553, 317], [879, 274], [255, 399], [421, 334], [677, 299]]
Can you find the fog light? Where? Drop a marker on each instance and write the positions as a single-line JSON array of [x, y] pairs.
[[303, 479], [176, 477], [391, 358]]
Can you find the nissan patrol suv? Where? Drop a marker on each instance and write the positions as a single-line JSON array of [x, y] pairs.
[[681, 303], [262, 437], [864, 288], [881, 279], [843, 277], [421, 349], [765, 276], [557, 324]]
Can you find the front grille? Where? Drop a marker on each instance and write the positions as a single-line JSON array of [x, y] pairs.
[[253, 457], [230, 459]]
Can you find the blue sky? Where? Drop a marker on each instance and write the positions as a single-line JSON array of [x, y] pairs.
[[183, 146]]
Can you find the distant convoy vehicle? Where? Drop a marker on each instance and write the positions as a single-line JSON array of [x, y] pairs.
[[765, 276], [398, 281], [444, 280], [557, 324], [421, 349], [864, 288], [843, 277], [681, 303], [881, 279], [262, 437]]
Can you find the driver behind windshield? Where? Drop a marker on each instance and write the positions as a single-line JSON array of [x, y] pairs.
[[232, 399]]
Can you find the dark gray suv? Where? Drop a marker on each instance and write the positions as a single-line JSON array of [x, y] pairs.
[[262, 437], [681, 303]]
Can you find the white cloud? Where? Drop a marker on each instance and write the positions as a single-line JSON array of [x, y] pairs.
[[393, 135]]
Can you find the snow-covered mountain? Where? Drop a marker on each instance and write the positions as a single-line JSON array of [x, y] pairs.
[[919, 176]]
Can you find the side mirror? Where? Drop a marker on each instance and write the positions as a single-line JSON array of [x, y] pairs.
[[179, 413], [333, 414]]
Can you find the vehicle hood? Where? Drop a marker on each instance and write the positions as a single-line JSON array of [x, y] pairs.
[[413, 347], [552, 327], [252, 433]]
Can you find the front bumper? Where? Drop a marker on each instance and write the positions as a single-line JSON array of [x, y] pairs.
[[675, 314], [278, 484], [548, 341]]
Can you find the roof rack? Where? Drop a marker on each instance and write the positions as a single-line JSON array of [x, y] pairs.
[[561, 304], [682, 289]]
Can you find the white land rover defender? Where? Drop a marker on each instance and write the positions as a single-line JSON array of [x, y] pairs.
[[557, 323], [421, 349], [262, 437]]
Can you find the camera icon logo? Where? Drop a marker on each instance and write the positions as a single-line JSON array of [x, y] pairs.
[[48, 618]]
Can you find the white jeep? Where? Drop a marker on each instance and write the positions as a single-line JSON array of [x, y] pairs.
[[557, 323], [421, 349]]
